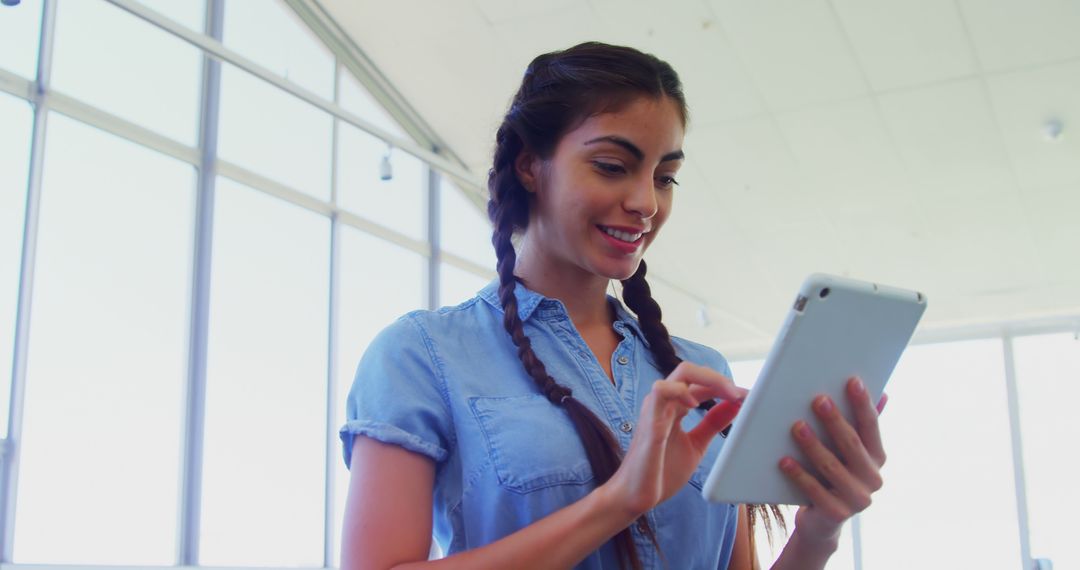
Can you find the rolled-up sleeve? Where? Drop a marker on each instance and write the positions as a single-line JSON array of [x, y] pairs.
[[398, 395]]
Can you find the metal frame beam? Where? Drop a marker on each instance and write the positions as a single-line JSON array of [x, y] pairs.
[[190, 500], [1019, 478], [217, 50], [9, 467]]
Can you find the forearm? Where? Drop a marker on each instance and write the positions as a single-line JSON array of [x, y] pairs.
[[559, 540], [799, 554]]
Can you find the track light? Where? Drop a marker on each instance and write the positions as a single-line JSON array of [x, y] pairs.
[[703, 316], [386, 170], [1053, 130]]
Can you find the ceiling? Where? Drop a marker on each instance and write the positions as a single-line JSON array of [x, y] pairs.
[[899, 141]]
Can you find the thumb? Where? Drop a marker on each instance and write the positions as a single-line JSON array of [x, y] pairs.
[[716, 419]]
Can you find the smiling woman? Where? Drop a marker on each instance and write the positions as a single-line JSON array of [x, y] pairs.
[[540, 423]]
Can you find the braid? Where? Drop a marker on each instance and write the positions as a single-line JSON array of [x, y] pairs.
[[508, 205], [557, 90], [638, 297]]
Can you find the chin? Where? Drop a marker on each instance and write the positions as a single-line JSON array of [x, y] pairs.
[[618, 271]]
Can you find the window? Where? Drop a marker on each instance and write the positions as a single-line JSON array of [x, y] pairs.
[[155, 86], [399, 203], [264, 464], [292, 149], [946, 433], [190, 14], [100, 463], [271, 35], [20, 27], [355, 99], [466, 230], [17, 119], [458, 285], [379, 282], [1047, 372]]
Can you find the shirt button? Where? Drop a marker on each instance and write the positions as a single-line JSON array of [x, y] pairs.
[[623, 360], [626, 427]]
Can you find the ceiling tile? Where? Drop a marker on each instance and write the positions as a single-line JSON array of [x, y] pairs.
[[903, 44], [1054, 217], [738, 154], [498, 11], [527, 35], [983, 246], [948, 139], [795, 51], [1024, 102], [686, 35], [1008, 34], [842, 145]]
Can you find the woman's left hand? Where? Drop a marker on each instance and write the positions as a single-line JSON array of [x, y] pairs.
[[848, 480]]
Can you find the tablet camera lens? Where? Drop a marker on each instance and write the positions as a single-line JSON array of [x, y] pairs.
[[824, 293]]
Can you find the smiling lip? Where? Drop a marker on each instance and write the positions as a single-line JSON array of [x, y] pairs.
[[620, 245]]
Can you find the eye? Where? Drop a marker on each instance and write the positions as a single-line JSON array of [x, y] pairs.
[[667, 181], [608, 168]]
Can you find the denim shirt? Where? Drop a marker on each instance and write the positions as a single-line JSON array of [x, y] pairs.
[[448, 384]]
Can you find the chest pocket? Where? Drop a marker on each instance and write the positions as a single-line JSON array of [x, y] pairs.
[[532, 443]]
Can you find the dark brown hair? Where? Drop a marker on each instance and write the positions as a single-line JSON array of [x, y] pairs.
[[559, 91]]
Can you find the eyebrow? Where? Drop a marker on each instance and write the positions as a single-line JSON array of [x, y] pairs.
[[633, 149]]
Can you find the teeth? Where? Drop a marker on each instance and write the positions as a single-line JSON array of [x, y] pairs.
[[621, 236]]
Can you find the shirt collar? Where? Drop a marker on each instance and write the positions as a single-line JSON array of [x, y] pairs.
[[530, 302]]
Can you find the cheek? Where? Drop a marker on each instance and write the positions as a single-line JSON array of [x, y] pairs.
[[662, 213]]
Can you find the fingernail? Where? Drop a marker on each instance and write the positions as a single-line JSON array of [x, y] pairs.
[[787, 464], [859, 387], [802, 429], [824, 404]]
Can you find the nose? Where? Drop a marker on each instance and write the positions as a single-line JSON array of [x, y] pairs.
[[641, 199]]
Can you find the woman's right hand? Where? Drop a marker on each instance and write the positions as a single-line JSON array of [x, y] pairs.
[[662, 456]]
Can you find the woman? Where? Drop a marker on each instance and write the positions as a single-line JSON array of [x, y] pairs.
[[539, 424]]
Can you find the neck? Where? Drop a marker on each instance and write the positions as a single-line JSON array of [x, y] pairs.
[[583, 293]]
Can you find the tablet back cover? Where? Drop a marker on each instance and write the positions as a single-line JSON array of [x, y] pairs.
[[838, 328]]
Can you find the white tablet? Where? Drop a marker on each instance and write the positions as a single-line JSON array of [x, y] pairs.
[[838, 328]]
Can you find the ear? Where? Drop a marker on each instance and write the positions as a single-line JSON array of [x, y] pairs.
[[527, 169]]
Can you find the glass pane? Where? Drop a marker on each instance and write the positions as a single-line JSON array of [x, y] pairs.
[[745, 372], [100, 471], [949, 478], [379, 283], [17, 118], [125, 66], [458, 285], [270, 34], [353, 97], [293, 148], [399, 203], [1048, 378], [842, 559], [190, 13], [20, 27], [264, 467], [466, 230]]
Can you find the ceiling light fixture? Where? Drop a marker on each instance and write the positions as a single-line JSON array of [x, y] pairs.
[[386, 170], [1053, 130]]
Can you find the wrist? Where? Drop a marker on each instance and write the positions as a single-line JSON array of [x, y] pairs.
[[609, 499], [814, 547]]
